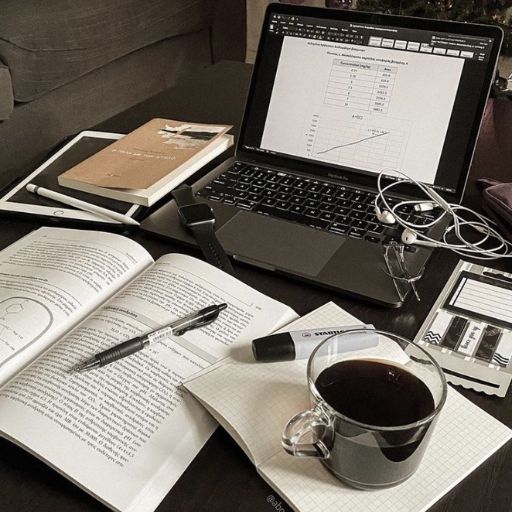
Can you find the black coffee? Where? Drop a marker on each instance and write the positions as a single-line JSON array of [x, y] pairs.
[[383, 395], [375, 393]]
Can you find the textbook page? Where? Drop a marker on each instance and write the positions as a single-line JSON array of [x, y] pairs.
[[53, 278], [126, 432]]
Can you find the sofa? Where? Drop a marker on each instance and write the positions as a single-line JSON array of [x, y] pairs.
[[67, 65]]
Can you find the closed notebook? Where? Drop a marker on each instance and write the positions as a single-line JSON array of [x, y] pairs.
[[254, 401], [149, 162]]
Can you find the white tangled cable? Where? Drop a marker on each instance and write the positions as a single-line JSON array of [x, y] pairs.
[[413, 234]]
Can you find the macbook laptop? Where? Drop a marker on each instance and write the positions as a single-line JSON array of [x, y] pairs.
[[335, 97]]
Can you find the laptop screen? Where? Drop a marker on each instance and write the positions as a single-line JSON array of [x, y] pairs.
[[361, 97]]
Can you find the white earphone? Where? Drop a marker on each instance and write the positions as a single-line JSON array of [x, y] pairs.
[[386, 217], [415, 234], [409, 237]]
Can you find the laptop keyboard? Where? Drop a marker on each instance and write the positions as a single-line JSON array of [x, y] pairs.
[[318, 204]]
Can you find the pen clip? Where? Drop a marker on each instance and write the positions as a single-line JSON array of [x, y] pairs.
[[196, 325]]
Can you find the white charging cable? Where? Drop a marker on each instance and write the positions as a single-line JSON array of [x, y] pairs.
[[413, 233]]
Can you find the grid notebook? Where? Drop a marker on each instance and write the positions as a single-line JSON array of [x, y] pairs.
[[254, 402]]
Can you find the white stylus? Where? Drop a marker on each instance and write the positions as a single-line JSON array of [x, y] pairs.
[[81, 205]]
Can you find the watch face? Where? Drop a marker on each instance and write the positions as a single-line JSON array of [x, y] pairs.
[[196, 214]]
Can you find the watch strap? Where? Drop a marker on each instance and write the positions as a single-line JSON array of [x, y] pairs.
[[212, 250], [204, 233], [183, 196]]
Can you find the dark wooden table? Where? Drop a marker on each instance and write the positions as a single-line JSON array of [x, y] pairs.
[[221, 478]]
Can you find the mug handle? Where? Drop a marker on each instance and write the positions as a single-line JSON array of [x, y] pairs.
[[312, 425]]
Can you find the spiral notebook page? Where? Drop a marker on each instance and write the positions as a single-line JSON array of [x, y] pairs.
[[255, 401]]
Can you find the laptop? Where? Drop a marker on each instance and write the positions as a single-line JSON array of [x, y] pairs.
[[335, 97]]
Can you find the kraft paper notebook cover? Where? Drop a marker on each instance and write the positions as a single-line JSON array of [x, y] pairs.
[[145, 155], [145, 165], [254, 401]]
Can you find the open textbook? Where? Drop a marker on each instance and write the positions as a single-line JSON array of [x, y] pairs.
[[254, 401], [126, 432]]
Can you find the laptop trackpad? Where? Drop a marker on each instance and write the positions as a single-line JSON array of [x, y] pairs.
[[277, 243]]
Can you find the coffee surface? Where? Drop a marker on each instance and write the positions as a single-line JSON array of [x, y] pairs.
[[375, 392]]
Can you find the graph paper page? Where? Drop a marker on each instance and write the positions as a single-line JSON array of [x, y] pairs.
[[255, 401], [464, 437]]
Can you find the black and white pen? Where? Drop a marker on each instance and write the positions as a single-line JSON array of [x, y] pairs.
[[195, 320]]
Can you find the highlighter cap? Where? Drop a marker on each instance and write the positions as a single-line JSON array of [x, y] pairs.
[[278, 347]]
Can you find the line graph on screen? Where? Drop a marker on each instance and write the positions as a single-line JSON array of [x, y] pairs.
[[361, 141]]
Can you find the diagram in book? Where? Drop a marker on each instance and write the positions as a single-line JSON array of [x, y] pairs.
[[22, 321]]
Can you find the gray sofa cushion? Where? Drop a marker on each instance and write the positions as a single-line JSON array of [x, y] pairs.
[[49, 43], [6, 96], [34, 128]]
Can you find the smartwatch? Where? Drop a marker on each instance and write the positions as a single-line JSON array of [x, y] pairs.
[[199, 218]]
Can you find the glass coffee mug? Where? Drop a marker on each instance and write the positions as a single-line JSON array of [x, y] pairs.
[[373, 408]]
